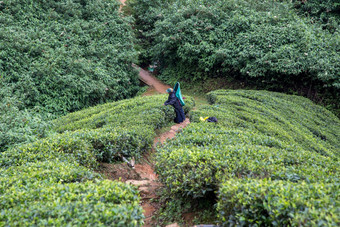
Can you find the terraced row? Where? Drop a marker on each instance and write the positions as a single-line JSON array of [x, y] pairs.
[[52, 182], [272, 159]]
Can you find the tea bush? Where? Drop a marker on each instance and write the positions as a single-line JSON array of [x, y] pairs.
[[46, 182], [60, 147], [259, 135], [101, 133], [19, 125], [278, 203], [121, 128], [292, 118], [45, 172], [139, 111], [66, 55], [58, 191], [98, 203]]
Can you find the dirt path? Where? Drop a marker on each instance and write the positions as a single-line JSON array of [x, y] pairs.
[[149, 185], [123, 4], [143, 175], [151, 81]]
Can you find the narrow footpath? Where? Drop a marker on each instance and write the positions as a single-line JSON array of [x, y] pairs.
[[149, 184], [151, 81], [143, 175]]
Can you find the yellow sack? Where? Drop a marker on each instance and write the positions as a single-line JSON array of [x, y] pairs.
[[203, 119]]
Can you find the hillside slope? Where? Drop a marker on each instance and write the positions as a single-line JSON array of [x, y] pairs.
[[270, 159], [51, 181]]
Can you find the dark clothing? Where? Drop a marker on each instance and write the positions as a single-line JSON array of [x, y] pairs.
[[173, 100], [212, 119], [180, 116]]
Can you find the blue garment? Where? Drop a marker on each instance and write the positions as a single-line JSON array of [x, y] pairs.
[[173, 100], [177, 91]]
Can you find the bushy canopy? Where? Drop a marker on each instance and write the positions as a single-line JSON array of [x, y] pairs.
[[66, 55], [57, 57], [266, 43]]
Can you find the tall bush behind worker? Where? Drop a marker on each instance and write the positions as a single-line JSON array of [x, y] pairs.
[[174, 101]]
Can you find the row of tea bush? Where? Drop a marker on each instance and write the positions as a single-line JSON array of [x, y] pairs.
[[51, 181], [265, 146]]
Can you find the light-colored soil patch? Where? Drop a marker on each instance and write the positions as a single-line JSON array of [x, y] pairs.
[[151, 81]]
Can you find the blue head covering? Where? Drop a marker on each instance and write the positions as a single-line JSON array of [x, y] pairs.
[[169, 90]]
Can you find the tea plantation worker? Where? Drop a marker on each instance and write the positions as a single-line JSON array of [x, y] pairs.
[[174, 101]]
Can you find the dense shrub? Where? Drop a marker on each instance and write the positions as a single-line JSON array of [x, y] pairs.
[[326, 11], [18, 125], [262, 42], [259, 135], [66, 55]]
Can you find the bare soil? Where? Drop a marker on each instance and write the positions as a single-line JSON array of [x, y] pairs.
[[143, 175], [151, 81]]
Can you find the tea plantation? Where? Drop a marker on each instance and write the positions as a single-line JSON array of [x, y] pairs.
[[51, 181], [288, 46], [58, 57], [272, 159]]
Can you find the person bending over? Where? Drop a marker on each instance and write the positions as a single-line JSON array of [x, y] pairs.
[[174, 101]]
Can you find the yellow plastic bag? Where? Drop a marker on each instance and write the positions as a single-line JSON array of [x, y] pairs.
[[203, 119]]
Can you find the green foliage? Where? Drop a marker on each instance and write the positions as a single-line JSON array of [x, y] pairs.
[[66, 55], [19, 125], [60, 56], [264, 42], [44, 172], [278, 203], [327, 11], [260, 135], [97, 203], [58, 191], [46, 182], [101, 133], [140, 111], [145, 13], [66, 147], [294, 119]]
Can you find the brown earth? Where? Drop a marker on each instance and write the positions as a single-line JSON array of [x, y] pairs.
[[123, 4], [143, 175], [153, 83]]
